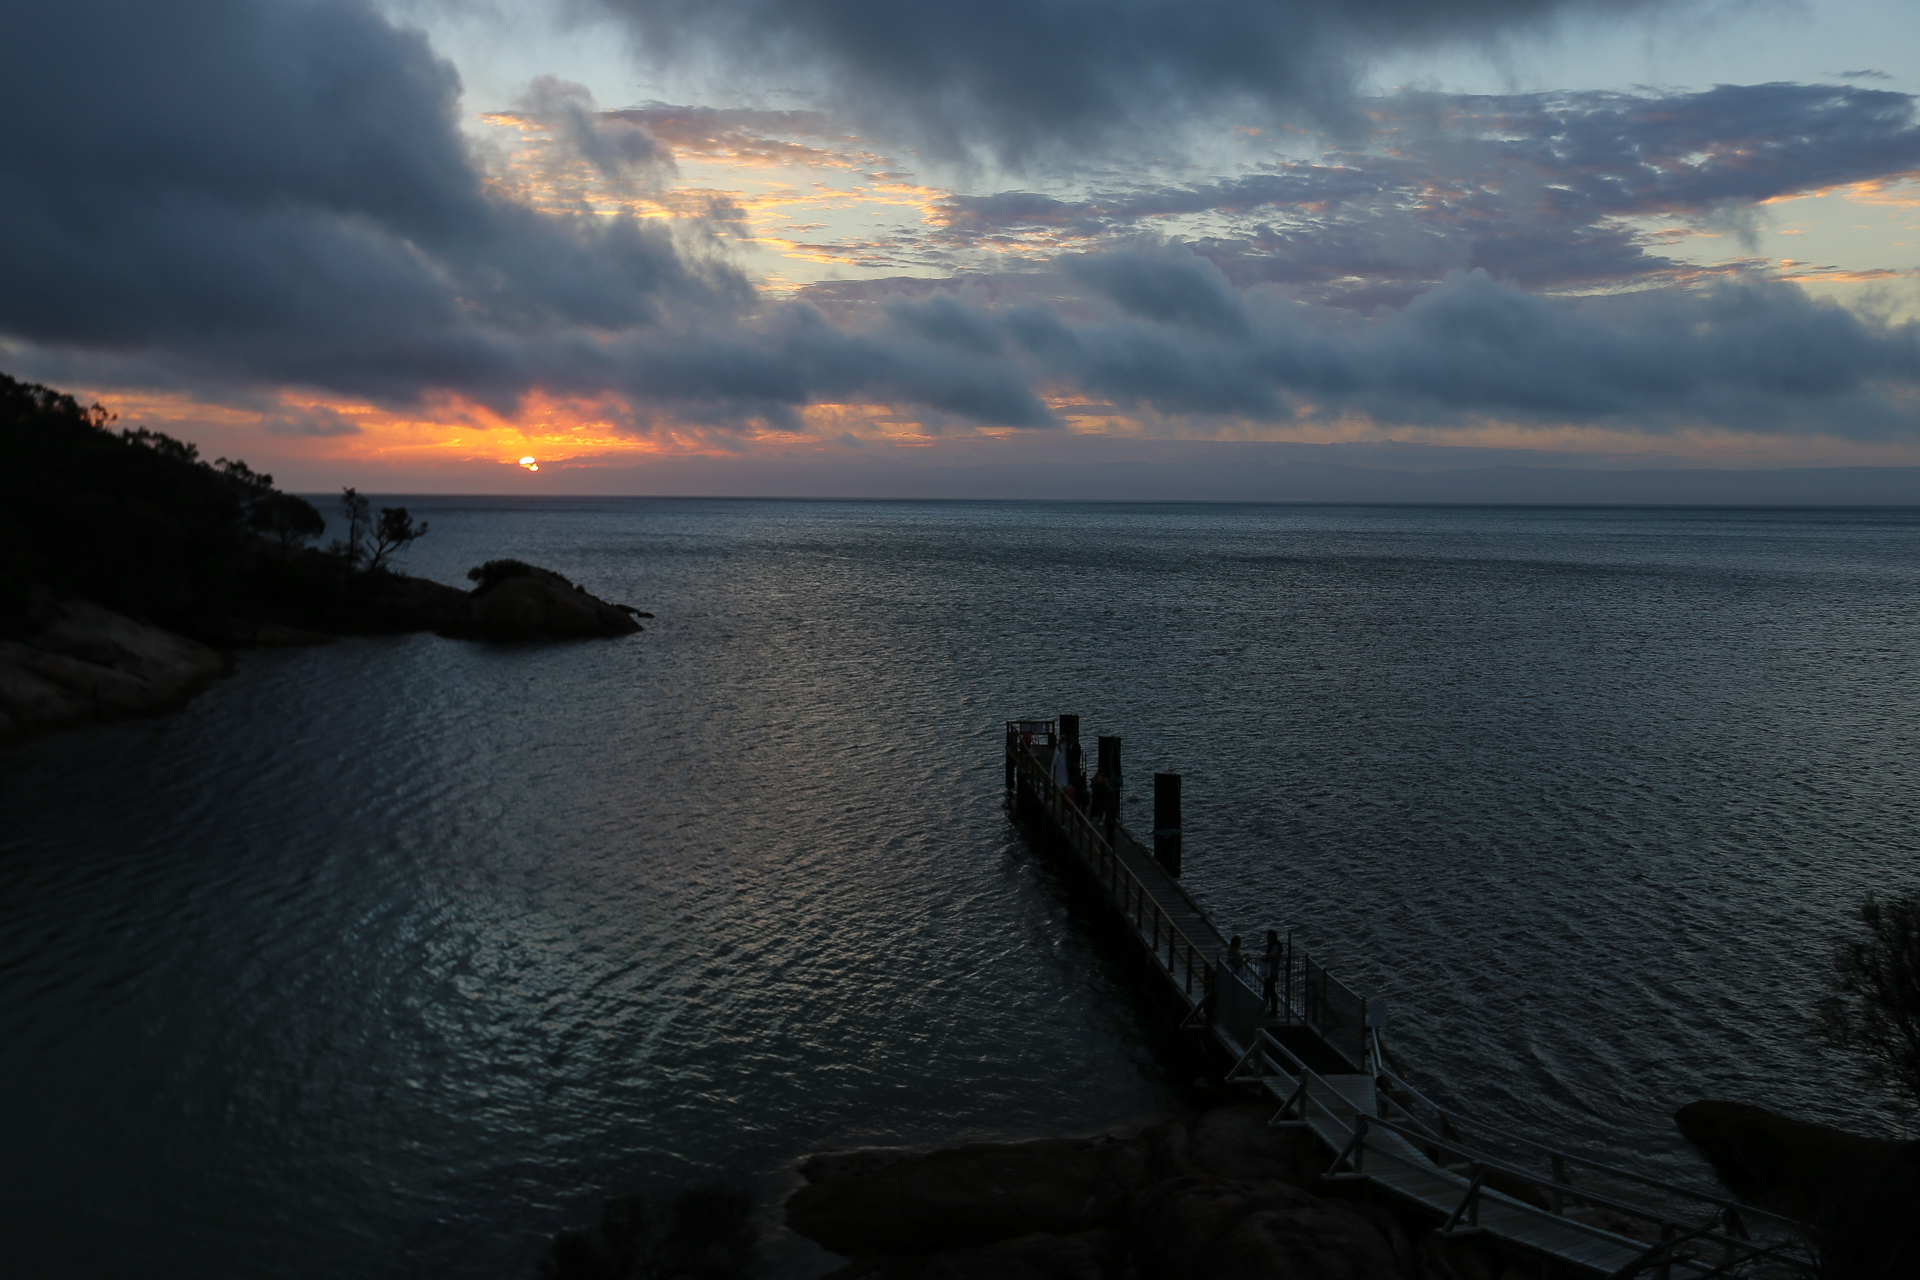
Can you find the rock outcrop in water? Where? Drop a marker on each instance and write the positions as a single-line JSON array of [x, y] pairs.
[[79, 663], [518, 601], [88, 664], [1217, 1197]]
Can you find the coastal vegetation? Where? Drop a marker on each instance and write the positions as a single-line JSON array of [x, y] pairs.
[[133, 520], [1872, 1005], [130, 568]]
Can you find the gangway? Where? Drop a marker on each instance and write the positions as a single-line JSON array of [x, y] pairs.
[[1318, 1056]]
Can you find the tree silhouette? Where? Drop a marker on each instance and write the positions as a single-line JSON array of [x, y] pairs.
[[392, 533], [290, 521], [1873, 1001], [359, 514]]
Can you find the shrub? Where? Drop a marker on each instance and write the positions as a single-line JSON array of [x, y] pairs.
[[1873, 1001]]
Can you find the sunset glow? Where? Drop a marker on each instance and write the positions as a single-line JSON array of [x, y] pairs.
[[551, 269]]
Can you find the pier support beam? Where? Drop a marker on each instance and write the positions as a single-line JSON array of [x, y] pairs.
[[1166, 821]]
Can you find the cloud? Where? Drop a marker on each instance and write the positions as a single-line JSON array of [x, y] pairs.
[[1177, 287], [260, 197], [1023, 80], [311, 420], [618, 146], [280, 192], [1534, 188], [254, 194], [1158, 333]]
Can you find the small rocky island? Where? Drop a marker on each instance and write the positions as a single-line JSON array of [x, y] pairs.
[[131, 570]]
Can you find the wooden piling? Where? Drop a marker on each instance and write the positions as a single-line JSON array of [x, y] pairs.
[[1110, 765], [1166, 821]]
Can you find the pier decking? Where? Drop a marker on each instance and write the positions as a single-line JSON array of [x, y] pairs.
[[1316, 1053]]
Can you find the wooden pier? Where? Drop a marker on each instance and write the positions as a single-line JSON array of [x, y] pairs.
[[1316, 1052]]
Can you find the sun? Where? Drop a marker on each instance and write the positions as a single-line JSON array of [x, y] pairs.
[[530, 464]]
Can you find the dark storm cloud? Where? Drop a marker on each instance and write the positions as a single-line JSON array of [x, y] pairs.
[[252, 194], [280, 191], [1022, 77], [1176, 287], [1751, 357]]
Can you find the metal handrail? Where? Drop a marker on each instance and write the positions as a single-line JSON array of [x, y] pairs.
[[1611, 1170], [1306, 1073], [1135, 899], [1196, 956], [1484, 1161], [1265, 1044]]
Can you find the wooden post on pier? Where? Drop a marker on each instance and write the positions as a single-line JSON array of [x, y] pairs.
[[1166, 821]]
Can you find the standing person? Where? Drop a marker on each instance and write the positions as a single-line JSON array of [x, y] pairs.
[[1270, 973], [1234, 958], [1102, 795]]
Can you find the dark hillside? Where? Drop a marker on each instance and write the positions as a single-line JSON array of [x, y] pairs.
[[132, 519]]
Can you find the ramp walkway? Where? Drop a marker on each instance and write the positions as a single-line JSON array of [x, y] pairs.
[[1315, 1051]]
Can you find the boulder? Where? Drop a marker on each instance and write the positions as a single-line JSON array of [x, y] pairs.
[[538, 605], [971, 1196], [88, 664], [1787, 1166], [1216, 1229], [1237, 1142], [1091, 1255]]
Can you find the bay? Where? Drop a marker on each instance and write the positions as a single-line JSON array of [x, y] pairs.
[[391, 956]]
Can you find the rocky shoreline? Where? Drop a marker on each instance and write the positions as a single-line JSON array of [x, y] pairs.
[[1221, 1196], [1218, 1196], [84, 664], [131, 568]]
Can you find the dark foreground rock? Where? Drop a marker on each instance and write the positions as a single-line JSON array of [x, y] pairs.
[[1217, 1197], [88, 664], [1860, 1194], [1784, 1165]]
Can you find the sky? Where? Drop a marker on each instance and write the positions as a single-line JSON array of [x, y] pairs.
[[1077, 248]]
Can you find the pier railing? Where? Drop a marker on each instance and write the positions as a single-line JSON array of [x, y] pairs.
[[1569, 1210], [1719, 1240], [1674, 1229], [1553, 1169], [1187, 963]]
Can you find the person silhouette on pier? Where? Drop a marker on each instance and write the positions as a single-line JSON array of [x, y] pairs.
[[1234, 958], [1270, 973], [1102, 797]]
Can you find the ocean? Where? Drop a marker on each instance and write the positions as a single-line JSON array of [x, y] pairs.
[[390, 957]]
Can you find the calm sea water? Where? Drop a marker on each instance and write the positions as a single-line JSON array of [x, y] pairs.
[[388, 958]]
